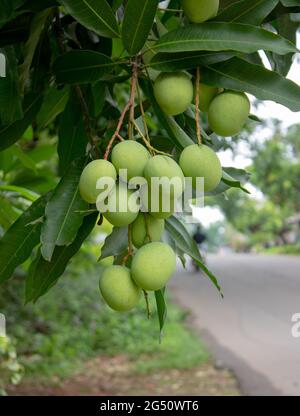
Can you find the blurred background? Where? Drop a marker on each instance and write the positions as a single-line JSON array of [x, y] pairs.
[[69, 342]]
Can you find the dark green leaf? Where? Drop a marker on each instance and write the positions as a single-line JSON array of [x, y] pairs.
[[161, 309], [10, 98], [72, 140], [18, 242], [235, 178], [137, 23], [116, 243], [251, 12], [290, 3], [168, 62], [44, 274], [238, 74], [8, 213], [216, 36], [80, 67], [186, 243], [54, 103], [95, 15], [62, 216], [10, 133]]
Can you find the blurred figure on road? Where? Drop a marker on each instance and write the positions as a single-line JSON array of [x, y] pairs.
[[200, 237]]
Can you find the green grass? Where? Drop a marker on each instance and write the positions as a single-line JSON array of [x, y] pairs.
[[288, 249], [71, 324]]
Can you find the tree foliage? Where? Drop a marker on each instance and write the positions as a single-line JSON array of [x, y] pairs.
[[69, 65]]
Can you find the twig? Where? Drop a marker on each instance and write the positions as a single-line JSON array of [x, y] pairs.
[[130, 246], [86, 119], [143, 112], [151, 148], [161, 9], [129, 106], [147, 304], [197, 113]]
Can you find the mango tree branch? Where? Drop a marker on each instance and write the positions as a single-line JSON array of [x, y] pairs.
[[197, 112]]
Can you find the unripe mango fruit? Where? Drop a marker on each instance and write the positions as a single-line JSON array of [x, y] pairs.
[[146, 226], [174, 92], [95, 170], [118, 289], [228, 113], [126, 209], [165, 167], [202, 162], [130, 155], [158, 204], [206, 95], [153, 265], [198, 11]]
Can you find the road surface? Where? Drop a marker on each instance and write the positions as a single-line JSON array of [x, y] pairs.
[[249, 331]]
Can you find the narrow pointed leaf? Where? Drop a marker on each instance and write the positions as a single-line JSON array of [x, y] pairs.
[[186, 243], [62, 212], [218, 36], [138, 21], [20, 239], [44, 274], [116, 243], [251, 12], [240, 75], [95, 15], [80, 67]]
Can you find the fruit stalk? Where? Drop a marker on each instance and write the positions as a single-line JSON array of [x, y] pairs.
[[197, 112]]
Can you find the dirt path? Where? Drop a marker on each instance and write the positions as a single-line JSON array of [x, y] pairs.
[[115, 376]]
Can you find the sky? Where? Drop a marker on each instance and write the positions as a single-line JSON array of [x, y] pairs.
[[267, 109]]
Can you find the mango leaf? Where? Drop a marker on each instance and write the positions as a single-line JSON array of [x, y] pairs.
[[18, 242], [116, 243], [37, 26], [61, 213], [81, 67], [137, 23], [54, 103], [26, 160], [218, 36], [240, 75], [8, 213], [95, 15], [10, 98], [251, 12], [290, 3], [44, 274], [23, 192], [187, 244], [235, 178], [169, 62], [11, 133], [72, 140], [161, 309]]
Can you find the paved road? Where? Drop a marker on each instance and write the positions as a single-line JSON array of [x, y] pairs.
[[249, 330]]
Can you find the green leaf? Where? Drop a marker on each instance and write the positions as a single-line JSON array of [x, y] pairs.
[[217, 36], [234, 181], [25, 193], [251, 12], [44, 274], [169, 62], [8, 213], [72, 140], [187, 244], [116, 243], [54, 103], [37, 26], [11, 133], [10, 98], [137, 23], [62, 216], [81, 67], [26, 160], [238, 74], [161, 309], [290, 3], [18, 242], [95, 15]]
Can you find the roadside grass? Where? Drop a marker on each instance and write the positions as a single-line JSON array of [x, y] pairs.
[[55, 336], [288, 249]]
